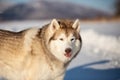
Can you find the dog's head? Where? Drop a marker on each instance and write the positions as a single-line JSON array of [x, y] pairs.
[[65, 41]]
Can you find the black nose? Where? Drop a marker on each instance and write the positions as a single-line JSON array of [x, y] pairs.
[[68, 50]]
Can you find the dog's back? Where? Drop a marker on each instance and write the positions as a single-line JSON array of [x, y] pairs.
[[10, 41], [14, 49]]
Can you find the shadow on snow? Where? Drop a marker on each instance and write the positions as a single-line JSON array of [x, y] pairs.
[[86, 73]]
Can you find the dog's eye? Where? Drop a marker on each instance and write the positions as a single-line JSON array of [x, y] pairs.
[[73, 39], [61, 39]]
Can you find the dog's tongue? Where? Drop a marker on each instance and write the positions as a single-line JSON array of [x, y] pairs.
[[68, 54]]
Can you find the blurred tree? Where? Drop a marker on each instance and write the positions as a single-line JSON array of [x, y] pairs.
[[117, 7]]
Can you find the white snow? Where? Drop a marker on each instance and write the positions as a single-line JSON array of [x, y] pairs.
[[98, 44], [99, 58]]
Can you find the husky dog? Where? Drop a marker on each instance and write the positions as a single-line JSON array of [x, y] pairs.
[[39, 53]]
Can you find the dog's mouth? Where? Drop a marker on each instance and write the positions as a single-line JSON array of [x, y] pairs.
[[68, 55]]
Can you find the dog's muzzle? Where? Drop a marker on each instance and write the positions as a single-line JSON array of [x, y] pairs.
[[68, 52]]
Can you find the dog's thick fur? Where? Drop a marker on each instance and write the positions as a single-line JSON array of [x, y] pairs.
[[26, 55]]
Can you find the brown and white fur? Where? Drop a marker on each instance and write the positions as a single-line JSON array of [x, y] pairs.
[[39, 54]]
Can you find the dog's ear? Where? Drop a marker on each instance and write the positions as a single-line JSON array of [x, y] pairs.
[[54, 25], [76, 25]]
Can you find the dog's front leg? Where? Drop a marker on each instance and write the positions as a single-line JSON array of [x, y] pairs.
[[60, 77]]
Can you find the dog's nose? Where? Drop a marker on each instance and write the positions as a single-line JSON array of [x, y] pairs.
[[68, 50]]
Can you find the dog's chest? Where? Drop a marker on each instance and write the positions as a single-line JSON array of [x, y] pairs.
[[44, 71], [51, 73]]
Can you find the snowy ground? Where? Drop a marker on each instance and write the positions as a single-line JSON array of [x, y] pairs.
[[99, 58]]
